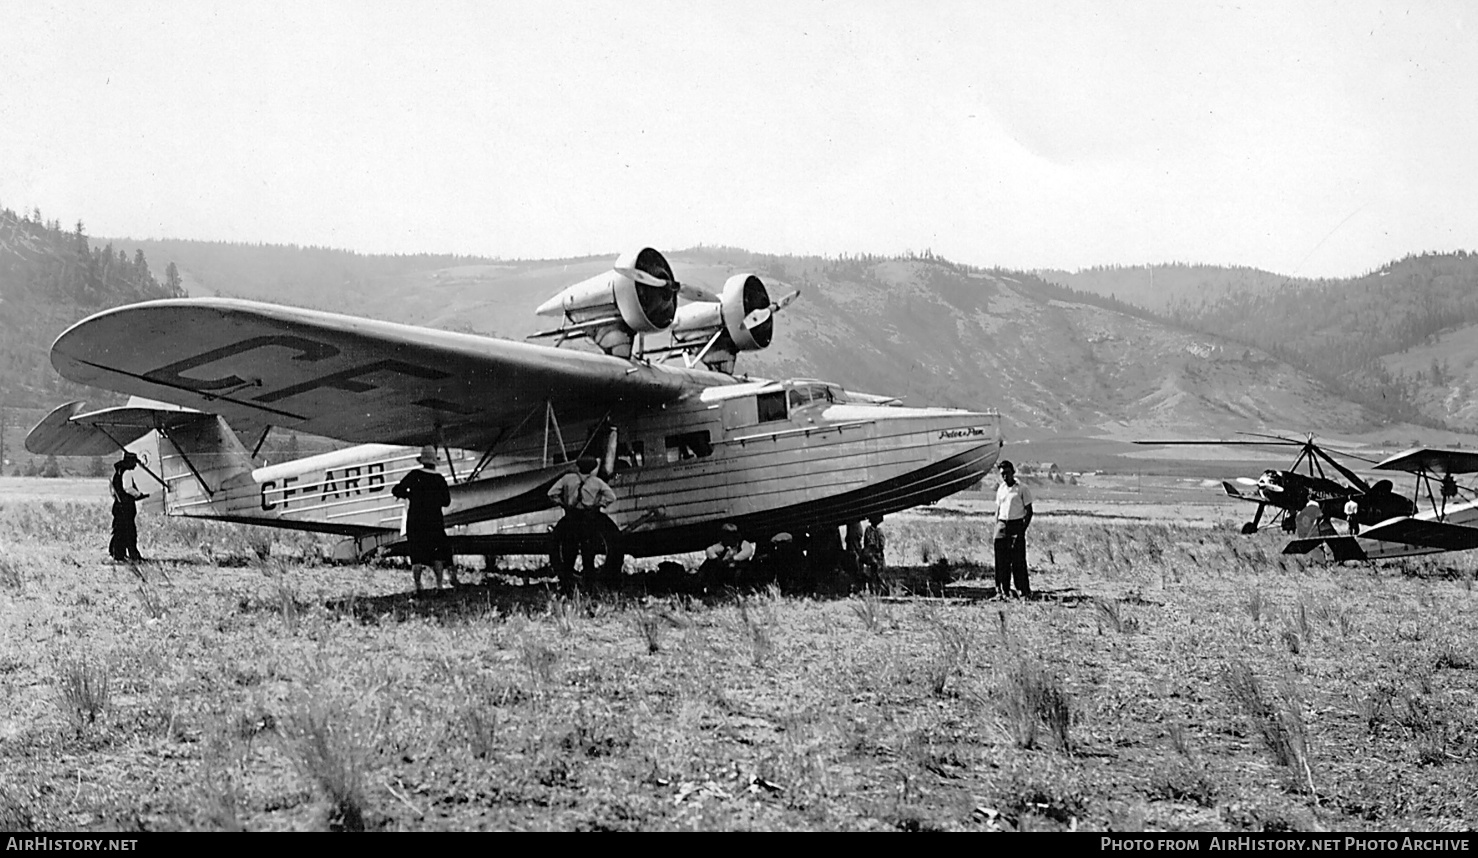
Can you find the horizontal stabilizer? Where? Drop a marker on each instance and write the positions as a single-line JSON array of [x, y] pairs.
[[1426, 534], [1340, 547], [68, 431]]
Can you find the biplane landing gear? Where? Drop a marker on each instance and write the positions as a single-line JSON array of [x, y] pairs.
[[564, 552], [1249, 528]]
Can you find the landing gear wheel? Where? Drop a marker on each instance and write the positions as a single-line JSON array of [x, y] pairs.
[[1249, 528], [564, 552]]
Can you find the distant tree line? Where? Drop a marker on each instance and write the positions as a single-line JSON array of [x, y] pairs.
[[50, 277]]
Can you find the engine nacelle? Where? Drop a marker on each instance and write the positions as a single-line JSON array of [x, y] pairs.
[[637, 296], [741, 320]]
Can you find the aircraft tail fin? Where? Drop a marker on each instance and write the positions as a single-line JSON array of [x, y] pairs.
[[199, 461], [191, 452]]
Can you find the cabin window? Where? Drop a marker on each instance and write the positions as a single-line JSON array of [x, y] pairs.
[[771, 406], [632, 455], [689, 445]]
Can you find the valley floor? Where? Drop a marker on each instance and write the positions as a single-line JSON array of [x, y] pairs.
[[1173, 676]]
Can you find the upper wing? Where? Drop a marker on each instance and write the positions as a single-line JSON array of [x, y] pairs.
[[1432, 460], [1428, 534], [357, 380]]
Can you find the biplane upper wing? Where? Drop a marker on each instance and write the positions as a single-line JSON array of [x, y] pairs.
[[1424, 533], [69, 431], [1432, 460], [354, 379]]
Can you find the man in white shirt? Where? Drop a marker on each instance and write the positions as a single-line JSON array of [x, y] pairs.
[[1013, 517], [1352, 511], [728, 557]]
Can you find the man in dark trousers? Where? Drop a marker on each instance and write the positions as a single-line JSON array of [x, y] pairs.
[[582, 496], [124, 546], [425, 532], [1013, 517]]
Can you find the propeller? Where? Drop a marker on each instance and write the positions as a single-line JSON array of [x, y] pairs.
[[761, 315], [646, 278]]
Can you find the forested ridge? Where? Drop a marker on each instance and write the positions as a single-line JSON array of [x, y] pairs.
[[1340, 330], [51, 276]]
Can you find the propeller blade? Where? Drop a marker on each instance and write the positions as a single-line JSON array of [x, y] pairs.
[[758, 317], [1247, 481], [645, 278], [785, 302]]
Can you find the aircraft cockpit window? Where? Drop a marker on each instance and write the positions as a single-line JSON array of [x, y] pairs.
[[771, 406], [805, 395], [689, 445]]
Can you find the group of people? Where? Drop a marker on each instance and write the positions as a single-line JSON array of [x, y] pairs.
[[583, 496]]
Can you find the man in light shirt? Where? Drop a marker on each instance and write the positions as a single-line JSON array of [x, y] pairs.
[[1013, 517], [1352, 511]]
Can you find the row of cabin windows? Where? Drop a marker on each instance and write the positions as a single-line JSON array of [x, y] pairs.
[[770, 407], [687, 445]]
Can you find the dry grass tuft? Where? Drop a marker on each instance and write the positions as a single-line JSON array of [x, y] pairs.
[[332, 749], [151, 601], [870, 610], [1257, 605], [1032, 700], [757, 620], [950, 658], [10, 574], [538, 659], [650, 627], [1111, 615], [85, 690], [1279, 720]]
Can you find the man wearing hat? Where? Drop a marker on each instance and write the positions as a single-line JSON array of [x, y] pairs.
[[582, 496], [426, 493], [1013, 517], [124, 546]]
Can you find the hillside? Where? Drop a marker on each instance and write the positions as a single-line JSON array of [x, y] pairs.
[[1396, 339], [1049, 358], [1058, 361], [49, 278]]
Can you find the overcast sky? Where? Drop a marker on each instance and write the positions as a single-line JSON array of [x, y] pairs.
[[1306, 138]]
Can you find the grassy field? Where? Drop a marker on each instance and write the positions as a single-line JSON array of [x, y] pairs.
[[1174, 676]]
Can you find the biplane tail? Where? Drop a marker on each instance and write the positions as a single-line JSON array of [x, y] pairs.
[[1340, 548], [192, 454]]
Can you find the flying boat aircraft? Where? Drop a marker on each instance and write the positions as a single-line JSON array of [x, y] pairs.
[[1289, 491], [686, 444], [1446, 519]]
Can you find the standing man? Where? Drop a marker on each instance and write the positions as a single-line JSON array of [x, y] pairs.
[[426, 493], [1352, 510], [582, 496], [1013, 517], [124, 546], [874, 547]]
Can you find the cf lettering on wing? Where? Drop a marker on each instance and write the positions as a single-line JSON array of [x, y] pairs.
[[303, 350]]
